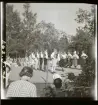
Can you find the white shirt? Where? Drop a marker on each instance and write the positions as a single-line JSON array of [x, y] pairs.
[[52, 55], [58, 57], [75, 56], [37, 55], [64, 56], [33, 56], [41, 55], [46, 55], [69, 55], [83, 55]]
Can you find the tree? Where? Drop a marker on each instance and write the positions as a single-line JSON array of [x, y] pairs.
[[84, 41], [88, 19], [13, 28], [63, 43], [85, 36], [28, 24], [49, 35]]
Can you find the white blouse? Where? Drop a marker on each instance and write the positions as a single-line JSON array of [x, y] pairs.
[[75, 56]]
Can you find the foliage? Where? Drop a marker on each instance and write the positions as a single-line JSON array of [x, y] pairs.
[[13, 27], [24, 35], [28, 24], [63, 43], [84, 41]]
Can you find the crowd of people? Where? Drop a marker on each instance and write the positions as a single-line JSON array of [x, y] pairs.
[[41, 61], [24, 88]]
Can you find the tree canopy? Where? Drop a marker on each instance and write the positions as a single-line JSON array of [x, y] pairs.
[[26, 35]]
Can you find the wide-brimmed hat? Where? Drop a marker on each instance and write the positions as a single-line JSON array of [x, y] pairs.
[[55, 76]]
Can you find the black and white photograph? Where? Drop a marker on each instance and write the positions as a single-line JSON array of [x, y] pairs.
[[50, 50]]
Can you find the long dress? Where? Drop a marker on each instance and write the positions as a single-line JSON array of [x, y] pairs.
[[75, 58], [54, 62]]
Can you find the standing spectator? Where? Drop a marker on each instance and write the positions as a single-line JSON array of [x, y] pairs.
[[8, 72], [75, 58], [22, 87]]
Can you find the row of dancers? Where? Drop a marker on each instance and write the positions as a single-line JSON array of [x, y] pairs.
[[44, 61]]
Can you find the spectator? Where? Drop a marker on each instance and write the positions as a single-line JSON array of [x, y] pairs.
[[58, 84], [22, 87], [8, 72]]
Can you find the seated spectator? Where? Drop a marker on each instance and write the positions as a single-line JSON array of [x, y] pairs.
[[22, 87], [58, 84], [54, 90]]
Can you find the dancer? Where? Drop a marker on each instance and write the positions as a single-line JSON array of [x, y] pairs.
[[45, 60], [69, 58], [75, 58], [54, 57], [36, 61], [38, 58], [83, 59], [65, 58], [62, 63], [33, 60], [41, 60]]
